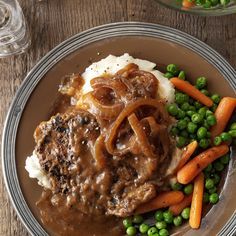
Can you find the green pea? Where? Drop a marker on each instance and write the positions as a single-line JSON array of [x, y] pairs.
[[190, 113], [233, 126], [181, 75], [143, 228], [127, 222], [207, 4], [191, 127], [218, 166], [208, 168], [181, 114], [172, 68], [205, 197], [232, 133], [188, 189], [185, 213], [202, 111], [198, 105], [209, 183], [216, 179], [187, 119], [176, 186], [174, 131], [159, 215], [181, 141], [202, 132], [199, 2], [212, 190], [213, 108], [172, 109], [204, 143], [216, 98], [161, 225], [131, 231], [224, 2], [181, 98], [217, 140], [138, 219], [205, 92], [214, 198], [205, 124], [168, 75], [211, 120], [185, 106], [177, 220], [168, 217], [192, 108], [201, 82], [226, 137], [214, 2], [196, 118], [208, 113], [182, 124], [163, 232], [152, 231], [225, 159]]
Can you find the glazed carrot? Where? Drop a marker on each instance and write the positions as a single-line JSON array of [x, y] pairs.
[[223, 113], [177, 208], [164, 199], [193, 92], [190, 170], [187, 153], [187, 4], [196, 206]]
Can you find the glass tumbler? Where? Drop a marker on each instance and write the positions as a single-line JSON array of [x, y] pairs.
[[14, 35]]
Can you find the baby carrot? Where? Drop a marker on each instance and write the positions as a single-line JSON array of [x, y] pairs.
[[196, 206], [223, 113], [190, 170], [187, 4], [164, 199], [177, 208], [193, 92], [187, 153]]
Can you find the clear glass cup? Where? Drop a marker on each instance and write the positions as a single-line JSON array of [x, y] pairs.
[[14, 35]]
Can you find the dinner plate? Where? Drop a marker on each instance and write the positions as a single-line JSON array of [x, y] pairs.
[[33, 102]]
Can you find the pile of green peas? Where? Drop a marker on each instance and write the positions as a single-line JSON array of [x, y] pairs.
[[164, 220], [226, 136], [194, 119], [210, 3]]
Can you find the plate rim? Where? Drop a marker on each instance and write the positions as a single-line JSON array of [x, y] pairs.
[[70, 45]]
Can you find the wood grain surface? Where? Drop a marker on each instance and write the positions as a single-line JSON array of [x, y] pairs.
[[52, 21]]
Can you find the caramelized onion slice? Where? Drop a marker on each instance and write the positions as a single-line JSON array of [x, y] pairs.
[[103, 111], [128, 110], [99, 148], [124, 72], [140, 136]]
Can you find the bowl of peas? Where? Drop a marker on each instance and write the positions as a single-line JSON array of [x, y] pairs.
[[202, 7]]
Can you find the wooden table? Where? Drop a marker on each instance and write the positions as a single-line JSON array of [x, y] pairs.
[[52, 21]]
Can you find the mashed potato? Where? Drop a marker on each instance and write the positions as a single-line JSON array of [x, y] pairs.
[[35, 170], [109, 65]]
